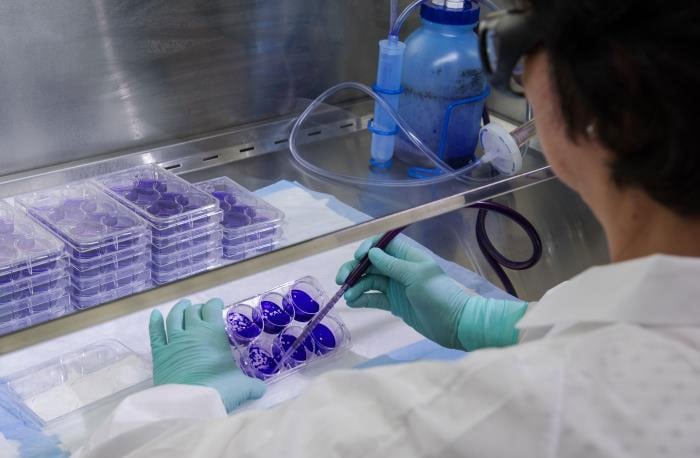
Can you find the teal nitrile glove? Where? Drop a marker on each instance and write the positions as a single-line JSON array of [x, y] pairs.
[[410, 284], [195, 351]]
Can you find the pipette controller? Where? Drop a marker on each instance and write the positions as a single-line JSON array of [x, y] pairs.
[[352, 279]]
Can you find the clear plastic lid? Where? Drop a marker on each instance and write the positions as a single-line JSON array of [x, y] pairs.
[[24, 243], [83, 216], [244, 212], [161, 197], [86, 378]]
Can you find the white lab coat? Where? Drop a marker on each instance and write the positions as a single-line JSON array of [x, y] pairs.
[[617, 374]]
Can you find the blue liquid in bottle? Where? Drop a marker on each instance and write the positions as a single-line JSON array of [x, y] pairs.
[[441, 67]]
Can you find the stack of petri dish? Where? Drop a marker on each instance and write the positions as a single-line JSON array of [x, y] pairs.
[[250, 225], [106, 242], [184, 221], [262, 328], [33, 274]]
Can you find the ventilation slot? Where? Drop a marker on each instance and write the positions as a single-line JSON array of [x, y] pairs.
[[210, 158], [172, 167]]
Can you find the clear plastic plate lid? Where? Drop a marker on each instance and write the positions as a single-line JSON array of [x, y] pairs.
[[244, 212], [83, 216], [24, 243], [78, 380], [161, 197]]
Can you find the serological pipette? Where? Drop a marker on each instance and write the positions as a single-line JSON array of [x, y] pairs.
[[352, 279]]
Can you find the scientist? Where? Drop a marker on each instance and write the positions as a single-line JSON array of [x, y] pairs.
[[607, 364]]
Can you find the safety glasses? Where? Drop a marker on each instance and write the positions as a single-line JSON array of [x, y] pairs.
[[505, 38]]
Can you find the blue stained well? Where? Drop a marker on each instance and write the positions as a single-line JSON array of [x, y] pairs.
[[274, 313], [276, 318], [165, 208], [244, 326], [234, 220], [325, 337], [143, 197], [304, 305], [263, 361], [148, 183], [174, 197], [221, 195], [287, 340], [242, 209]]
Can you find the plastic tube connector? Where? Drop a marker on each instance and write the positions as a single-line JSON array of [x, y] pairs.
[[388, 86], [501, 149]]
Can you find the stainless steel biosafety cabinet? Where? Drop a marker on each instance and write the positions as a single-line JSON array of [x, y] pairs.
[[210, 88]]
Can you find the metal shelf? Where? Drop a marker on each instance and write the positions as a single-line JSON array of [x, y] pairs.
[[252, 156]]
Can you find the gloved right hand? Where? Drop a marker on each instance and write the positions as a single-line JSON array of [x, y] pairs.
[[410, 284], [195, 351]]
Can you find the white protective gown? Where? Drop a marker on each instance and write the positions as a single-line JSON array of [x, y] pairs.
[[617, 374]]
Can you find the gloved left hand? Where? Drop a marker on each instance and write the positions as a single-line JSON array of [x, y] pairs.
[[195, 351]]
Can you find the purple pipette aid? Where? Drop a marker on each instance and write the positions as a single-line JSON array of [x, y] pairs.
[[352, 279]]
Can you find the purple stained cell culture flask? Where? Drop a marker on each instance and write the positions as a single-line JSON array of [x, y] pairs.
[[143, 197]]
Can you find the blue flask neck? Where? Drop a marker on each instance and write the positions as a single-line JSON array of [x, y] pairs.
[[448, 29]]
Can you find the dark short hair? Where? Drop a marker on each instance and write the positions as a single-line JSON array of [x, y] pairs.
[[630, 68]]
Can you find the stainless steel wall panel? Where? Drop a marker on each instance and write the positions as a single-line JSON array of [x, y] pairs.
[[79, 78]]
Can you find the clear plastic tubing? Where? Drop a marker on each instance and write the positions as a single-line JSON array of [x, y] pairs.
[[393, 13], [449, 173], [398, 23], [385, 115]]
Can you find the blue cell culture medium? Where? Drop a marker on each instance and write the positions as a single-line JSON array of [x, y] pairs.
[[250, 224], [33, 272], [262, 329], [184, 221], [105, 241]]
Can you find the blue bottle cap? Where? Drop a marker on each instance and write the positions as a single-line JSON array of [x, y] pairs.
[[442, 15]]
